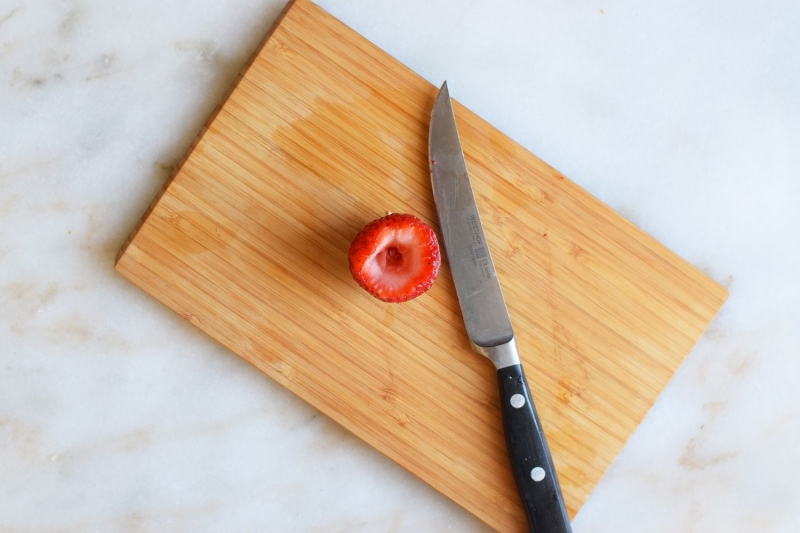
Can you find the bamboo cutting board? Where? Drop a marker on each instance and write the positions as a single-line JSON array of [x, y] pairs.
[[324, 132]]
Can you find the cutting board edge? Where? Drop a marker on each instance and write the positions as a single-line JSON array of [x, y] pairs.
[[203, 130], [653, 241], [638, 424]]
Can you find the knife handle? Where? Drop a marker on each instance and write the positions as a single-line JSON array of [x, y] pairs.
[[530, 457]]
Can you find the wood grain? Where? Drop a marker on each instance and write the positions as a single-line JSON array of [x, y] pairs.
[[324, 132]]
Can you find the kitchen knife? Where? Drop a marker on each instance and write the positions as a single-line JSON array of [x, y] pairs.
[[488, 324]]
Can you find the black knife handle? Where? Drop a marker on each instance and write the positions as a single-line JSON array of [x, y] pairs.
[[530, 457]]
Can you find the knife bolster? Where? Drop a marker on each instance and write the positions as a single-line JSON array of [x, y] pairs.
[[502, 355]]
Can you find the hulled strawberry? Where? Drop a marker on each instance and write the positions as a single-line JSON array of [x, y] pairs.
[[395, 258]]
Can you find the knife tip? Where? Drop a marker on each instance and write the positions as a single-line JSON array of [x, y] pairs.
[[443, 98]]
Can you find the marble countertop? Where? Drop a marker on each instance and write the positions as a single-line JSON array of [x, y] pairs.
[[116, 415]]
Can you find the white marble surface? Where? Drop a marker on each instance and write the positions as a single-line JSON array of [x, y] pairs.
[[116, 415]]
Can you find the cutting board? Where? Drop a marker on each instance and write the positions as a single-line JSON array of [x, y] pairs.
[[324, 132]]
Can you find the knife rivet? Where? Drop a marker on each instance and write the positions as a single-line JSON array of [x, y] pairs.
[[517, 401], [538, 473]]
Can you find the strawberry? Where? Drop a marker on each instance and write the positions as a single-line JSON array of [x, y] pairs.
[[395, 258]]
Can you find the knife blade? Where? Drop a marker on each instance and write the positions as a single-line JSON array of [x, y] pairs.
[[488, 322]]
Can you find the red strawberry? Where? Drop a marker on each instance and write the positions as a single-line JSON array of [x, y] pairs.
[[395, 258]]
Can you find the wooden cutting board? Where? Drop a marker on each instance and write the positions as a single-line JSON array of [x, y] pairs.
[[324, 132]]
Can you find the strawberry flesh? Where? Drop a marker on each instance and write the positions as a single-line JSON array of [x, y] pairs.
[[395, 258]]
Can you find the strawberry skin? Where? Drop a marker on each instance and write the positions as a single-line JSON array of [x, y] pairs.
[[395, 258]]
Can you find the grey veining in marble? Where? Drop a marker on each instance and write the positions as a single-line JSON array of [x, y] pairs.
[[116, 415]]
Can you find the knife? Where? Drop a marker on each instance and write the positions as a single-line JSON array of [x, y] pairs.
[[488, 323]]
